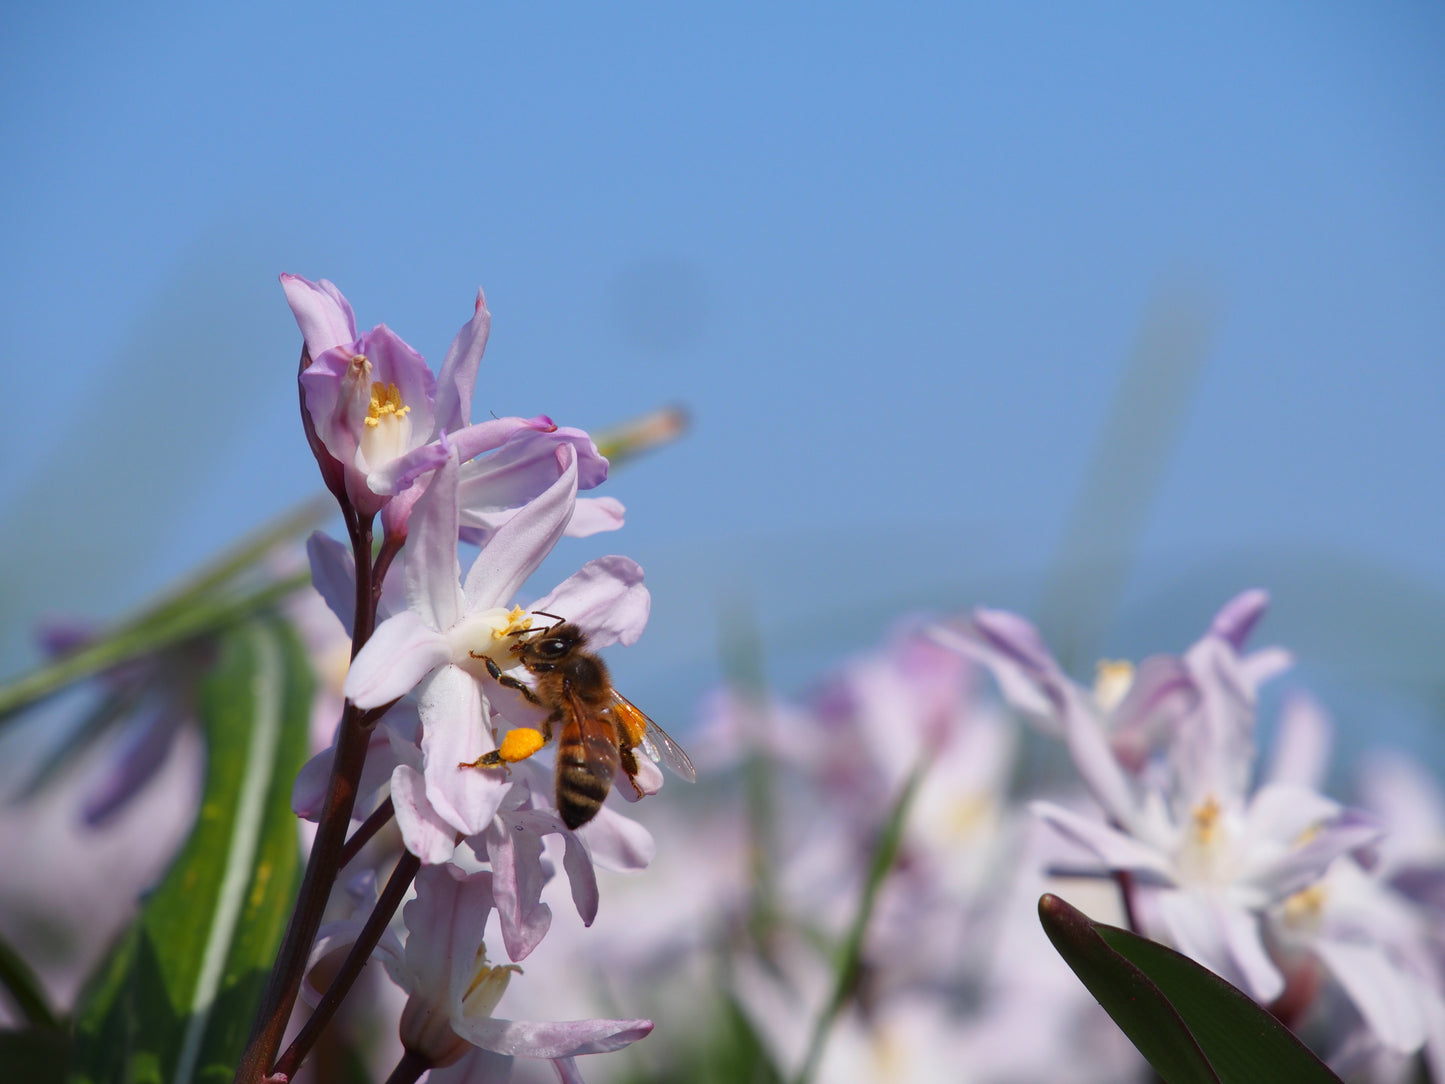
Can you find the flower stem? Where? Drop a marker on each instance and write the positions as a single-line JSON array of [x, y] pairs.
[[409, 1069], [365, 831], [321, 868], [376, 923]]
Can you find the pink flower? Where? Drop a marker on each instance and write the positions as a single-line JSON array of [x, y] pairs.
[[374, 406], [453, 990], [436, 646]]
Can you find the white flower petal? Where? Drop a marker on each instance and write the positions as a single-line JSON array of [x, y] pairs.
[[1386, 997], [401, 652], [605, 598], [564, 1038], [424, 832], [520, 544], [433, 573], [455, 732], [1114, 849], [618, 843]]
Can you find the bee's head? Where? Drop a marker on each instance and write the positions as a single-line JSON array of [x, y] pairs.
[[551, 645]]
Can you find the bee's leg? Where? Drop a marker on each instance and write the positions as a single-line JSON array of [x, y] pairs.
[[628, 758], [519, 743], [506, 680]]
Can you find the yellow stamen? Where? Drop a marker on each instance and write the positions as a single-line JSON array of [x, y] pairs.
[[1305, 906], [385, 400], [1112, 679], [1206, 820], [487, 985], [518, 621]]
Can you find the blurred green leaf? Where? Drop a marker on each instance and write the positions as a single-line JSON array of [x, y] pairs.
[[174, 1001], [36, 1055], [850, 957], [1190, 1024], [25, 990], [202, 602]]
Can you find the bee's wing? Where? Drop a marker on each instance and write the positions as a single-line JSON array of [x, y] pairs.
[[653, 740]]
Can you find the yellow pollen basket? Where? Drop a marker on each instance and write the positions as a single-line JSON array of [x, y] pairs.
[[520, 743], [385, 402]]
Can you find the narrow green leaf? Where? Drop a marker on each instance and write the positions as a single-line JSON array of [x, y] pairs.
[[147, 635], [850, 959], [174, 1001], [1188, 1022]]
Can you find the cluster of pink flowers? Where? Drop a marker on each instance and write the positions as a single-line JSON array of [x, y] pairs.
[[423, 701], [1329, 915], [1254, 873]]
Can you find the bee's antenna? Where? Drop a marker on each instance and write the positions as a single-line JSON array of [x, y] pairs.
[[554, 617]]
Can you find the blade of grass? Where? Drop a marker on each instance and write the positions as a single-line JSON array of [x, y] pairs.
[[851, 953]]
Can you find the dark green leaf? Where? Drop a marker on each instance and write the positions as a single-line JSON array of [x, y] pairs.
[[1189, 1023], [174, 1001], [36, 1056], [23, 986]]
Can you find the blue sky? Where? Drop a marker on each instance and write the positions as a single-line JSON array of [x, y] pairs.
[[893, 261]]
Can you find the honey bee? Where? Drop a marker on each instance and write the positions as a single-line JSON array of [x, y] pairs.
[[600, 729]]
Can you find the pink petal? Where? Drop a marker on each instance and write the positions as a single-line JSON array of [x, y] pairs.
[[455, 732], [1302, 741], [520, 545], [309, 791], [515, 855], [1237, 617], [473, 440], [577, 862], [432, 942], [398, 475], [1223, 938], [567, 1038], [458, 377], [1386, 997], [606, 598], [1100, 770], [423, 830], [593, 515], [333, 573], [618, 843], [647, 782], [433, 573], [322, 313], [399, 654], [1112, 847]]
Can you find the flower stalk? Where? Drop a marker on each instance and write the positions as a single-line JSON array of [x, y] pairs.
[[284, 985]]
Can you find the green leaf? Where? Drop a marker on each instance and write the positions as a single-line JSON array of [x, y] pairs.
[[174, 1001], [1190, 1024], [36, 1056], [208, 599], [25, 990]]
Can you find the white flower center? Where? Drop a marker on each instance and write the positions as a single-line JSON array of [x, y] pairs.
[[488, 634], [1206, 854], [386, 433]]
